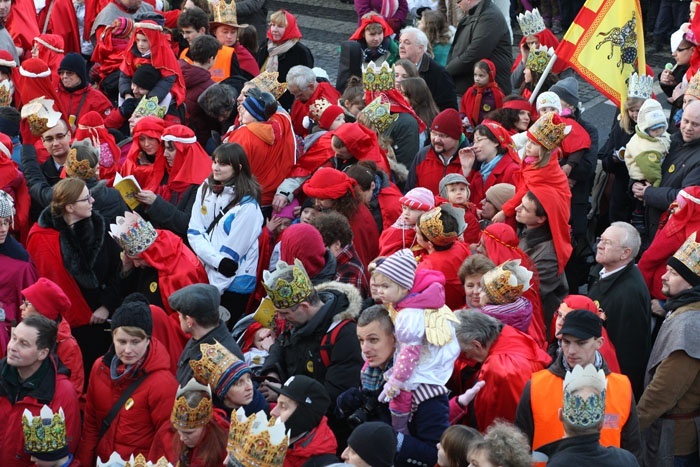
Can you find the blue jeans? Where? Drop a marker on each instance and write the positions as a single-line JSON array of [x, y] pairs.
[[691, 460]]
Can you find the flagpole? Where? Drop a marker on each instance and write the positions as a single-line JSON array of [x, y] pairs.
[[540, 83]]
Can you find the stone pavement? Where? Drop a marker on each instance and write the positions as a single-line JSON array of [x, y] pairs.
[[325, 23]]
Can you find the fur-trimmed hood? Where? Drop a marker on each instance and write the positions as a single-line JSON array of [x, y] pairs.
[[353, 295]]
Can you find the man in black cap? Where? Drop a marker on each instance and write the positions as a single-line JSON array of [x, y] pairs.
[[75, 93], [538, 410], [302, 404], [372, 444]]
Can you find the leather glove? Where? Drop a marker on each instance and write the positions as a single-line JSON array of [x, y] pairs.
[[227, 267]]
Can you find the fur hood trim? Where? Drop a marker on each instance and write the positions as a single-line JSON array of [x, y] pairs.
[[353, 295]]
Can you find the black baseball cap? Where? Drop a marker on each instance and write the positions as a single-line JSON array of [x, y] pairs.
[[306, 392], [582, 324]]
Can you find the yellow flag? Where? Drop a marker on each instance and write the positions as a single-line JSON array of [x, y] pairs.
[[605, 44]]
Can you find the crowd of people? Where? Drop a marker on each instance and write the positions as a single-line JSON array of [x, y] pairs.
[[210, 254]]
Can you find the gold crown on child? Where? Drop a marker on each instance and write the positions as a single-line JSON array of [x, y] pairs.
[[186, 417], [377, 78], [531, 22], [507, 282], [46, 432], [256, 442], [149, 107], [639, 86], [547, 132], [538, 58]]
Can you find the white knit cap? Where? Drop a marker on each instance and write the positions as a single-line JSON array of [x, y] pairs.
[[651, 115], [548, 99]]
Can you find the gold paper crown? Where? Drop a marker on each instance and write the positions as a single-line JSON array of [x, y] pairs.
[[693, 88], [531, 22], [76, 168], [214, 365], [256, 442], [640, 86], [538, 58], [378, 112], [266, 81], [40, 115], [431, 226], [132, 233], [377, 78], [186, 417], [548, 133], [507, 282], [317, 108], [115, 460], [149, 107], [584, 411], [225, 14], [287, 294], [45, 433], [7, 89], [689, 255]]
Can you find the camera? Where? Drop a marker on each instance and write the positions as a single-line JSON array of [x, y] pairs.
[[366, 411]]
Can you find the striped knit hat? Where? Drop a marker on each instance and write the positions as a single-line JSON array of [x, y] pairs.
[[400, 268], [419, 198]]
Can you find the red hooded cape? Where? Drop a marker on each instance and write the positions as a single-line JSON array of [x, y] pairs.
[[63, 22], [91, 126], [192, 164], [471, 101], [108, 52], [21, 24], [148, 176], [51, 55], [362, 143]]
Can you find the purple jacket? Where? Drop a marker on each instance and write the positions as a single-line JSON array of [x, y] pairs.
[[396, 22]]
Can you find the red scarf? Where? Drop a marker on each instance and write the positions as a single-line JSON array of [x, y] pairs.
[[471, 102], [291, 32]]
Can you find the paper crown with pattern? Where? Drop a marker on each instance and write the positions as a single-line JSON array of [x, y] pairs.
[[506, 282], [266, 81], [7, 206], [433, 229], [115, 460], [378, 113], [588, 411], [317, 108], [282, 293], [377, 78], [256, 442], [538, 58], [133, 234], [45, 434], [686, 260], [186, 417], [41, 115], [531, 22], [549, 131], [7, 90], [78, 169], [639, 86], [693, 88], [149, 107], [218, 368], [225, 14]]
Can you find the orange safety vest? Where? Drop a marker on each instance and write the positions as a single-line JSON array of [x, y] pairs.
[[221, 69], [547, 397]]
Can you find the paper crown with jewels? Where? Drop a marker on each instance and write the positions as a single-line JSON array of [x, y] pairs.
[[693, 88], [80, 169], [588, 411], [377, 78], [639, 86], [225, 15], [45, 434], [148, 107], [506, 282], [7, 207], [538, 58], [40, 115], [531, 22], [7, 90], [686, 260], [433, 229], [115, 460], [256, 442], [378, 112], [133, 234], [218, 368], [317, 108], [549, 131], [186, 417], [266, 81]]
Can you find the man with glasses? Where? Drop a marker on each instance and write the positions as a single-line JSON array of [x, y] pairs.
[[619, 288], [669, 79]]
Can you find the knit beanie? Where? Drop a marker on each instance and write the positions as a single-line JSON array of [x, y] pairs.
[[449, 179], [448, 122], [418, 198], [261, 106], [651, 115], [47, 298], [9, 121], [548, 99], [304, 241], [122, 27], [499, 193], [567, 90], [329, 115], [400, 267], [375, 443], [135, 314], [76, 63], [146, 76]]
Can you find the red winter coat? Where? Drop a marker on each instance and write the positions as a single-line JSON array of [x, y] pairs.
[[428, 169], [74, 105], [365, 235], [448, 263], [506, 171], [55, 391], [510, 362], [68, 351], [320, 440], [132, 430]]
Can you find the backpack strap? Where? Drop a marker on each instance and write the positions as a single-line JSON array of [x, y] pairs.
[[329, 339]]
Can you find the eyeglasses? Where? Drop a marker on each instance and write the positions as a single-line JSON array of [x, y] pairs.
[[88, 198], [683, 49], [50, 139]]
